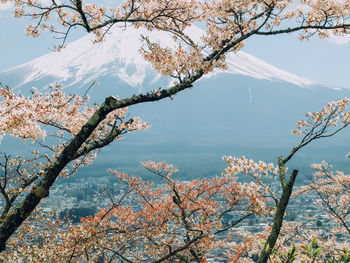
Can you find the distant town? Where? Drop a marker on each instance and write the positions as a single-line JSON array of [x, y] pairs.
[[85, 196]]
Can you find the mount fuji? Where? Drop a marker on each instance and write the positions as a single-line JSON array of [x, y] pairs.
[[117, 56], [252, 104]]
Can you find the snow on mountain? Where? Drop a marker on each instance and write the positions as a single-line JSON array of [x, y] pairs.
[[83, 62]]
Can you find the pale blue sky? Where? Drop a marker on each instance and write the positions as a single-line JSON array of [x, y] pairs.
[[319, 60]]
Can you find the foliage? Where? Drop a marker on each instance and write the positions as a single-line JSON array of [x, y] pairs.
[[312, 252]]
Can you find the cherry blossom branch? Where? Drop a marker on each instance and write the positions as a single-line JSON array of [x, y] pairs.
[[334, 212], [15, 217], [14, 180], [233, 224], [333, 189], [94, 145], [318, 124]]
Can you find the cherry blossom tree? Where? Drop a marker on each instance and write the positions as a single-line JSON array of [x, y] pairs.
[[81, 130]]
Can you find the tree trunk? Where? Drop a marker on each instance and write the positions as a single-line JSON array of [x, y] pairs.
[[278, 219]]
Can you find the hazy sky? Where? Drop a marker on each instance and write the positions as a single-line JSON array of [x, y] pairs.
[[320, 60]]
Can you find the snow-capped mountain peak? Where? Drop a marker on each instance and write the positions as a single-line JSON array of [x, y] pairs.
[[118, 56]]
